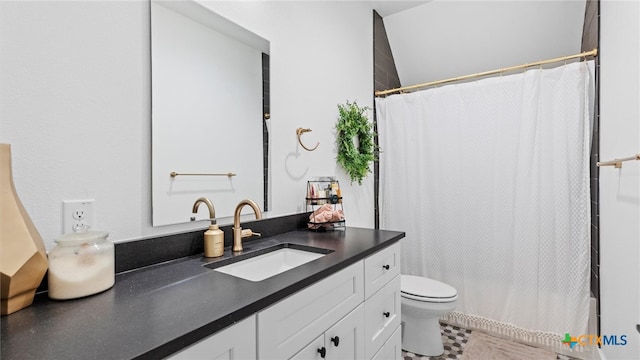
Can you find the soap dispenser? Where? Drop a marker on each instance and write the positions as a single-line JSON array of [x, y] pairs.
[[213, 241], [213, 237]]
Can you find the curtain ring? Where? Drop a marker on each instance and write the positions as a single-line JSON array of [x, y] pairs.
[[299, 132]]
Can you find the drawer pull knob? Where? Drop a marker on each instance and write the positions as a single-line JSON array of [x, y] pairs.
[[386, 267], [335, 340], [323, 352], [386, 314]]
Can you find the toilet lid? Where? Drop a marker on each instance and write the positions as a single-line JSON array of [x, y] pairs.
[[421, 287]]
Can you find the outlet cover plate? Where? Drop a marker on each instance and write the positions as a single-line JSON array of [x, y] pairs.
[[77, 213]]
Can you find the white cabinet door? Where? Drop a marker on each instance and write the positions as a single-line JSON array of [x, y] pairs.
[[381, 316], [237, 342], [290, 324], [392, 349], [314, 351], [345, 340]]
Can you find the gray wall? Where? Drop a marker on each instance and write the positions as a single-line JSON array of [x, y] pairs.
[[385, 76], [590, 41]]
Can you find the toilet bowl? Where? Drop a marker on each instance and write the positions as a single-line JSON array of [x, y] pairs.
[[423, 301]]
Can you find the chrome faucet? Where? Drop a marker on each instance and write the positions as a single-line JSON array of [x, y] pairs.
[[212, 210], [238, 234]]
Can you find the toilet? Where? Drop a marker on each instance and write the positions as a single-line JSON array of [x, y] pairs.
[[423, 301]]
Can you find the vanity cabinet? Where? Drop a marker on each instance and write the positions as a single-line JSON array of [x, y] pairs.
[[237, 342], [360, 306], [344, 340], [200, 313], [292, 324], [352, 314]]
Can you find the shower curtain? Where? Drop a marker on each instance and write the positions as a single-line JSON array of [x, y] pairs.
[[490, 181]]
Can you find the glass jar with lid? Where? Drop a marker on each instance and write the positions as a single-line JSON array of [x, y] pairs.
[[81, 264]]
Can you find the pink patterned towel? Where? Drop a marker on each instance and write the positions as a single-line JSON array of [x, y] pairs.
[[325, 214]]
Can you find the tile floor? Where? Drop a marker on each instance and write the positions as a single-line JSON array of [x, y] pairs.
[[454, 339]]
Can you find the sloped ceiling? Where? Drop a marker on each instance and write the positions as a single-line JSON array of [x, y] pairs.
[[443, 39], [386, 8]]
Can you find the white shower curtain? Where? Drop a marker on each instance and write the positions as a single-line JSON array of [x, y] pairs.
[[490, 181]]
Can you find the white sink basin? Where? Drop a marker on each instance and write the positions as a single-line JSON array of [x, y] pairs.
[[267, 265]]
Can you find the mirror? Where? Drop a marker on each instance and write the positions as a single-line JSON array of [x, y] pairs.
[[209, 134]]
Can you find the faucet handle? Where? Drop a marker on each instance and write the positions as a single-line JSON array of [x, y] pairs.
[[248, 233]]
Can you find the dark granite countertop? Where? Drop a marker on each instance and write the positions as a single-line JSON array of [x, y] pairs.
[[155, 311]]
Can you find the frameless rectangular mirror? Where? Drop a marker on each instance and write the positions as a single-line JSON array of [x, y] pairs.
[[209, 133]]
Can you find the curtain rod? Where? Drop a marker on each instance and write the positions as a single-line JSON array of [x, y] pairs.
[[585, 54]]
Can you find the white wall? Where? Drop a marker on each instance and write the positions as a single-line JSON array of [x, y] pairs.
[[444, 39], [620, 188], [75, 100]]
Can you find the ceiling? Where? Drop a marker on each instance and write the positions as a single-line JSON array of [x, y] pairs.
[[385, 8], [444, 39]]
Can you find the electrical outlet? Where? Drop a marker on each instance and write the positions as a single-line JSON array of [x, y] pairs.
[[78, 215]]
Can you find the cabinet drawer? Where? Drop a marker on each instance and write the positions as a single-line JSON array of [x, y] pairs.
[[381, 267], [289, 325], [382, 316], [392, 349], [235, 342]]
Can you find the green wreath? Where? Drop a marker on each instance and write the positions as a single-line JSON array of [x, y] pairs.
[[353, 124]]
